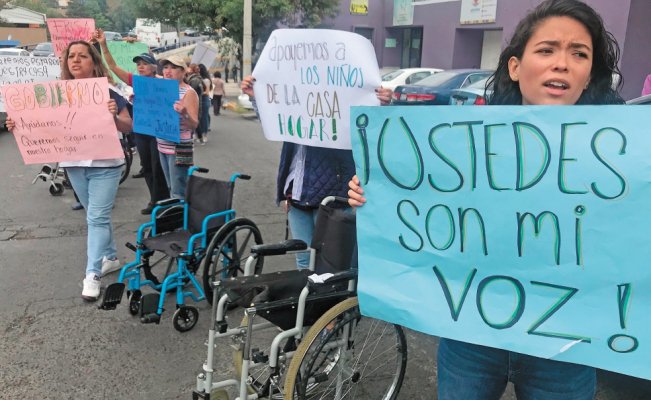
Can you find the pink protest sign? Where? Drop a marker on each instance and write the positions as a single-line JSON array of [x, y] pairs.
[[62, 120], [66, 30]]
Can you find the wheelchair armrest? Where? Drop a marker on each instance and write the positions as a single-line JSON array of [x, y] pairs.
[[276, 249], [343, 276], [167, 202]]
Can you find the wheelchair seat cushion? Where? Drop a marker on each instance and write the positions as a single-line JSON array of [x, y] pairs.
[[276, 295], [172, 243], [249, 290]]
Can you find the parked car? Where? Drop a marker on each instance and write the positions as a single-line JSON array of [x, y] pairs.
[[112, 36], [436, 89], [406, 76], [44, 49], [13, 51], [473, 94], [640, 100], [191, 32]]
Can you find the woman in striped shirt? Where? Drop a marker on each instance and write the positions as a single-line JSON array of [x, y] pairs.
[[177, 158]]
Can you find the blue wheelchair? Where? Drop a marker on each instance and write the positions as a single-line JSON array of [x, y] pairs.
[[200, 230]]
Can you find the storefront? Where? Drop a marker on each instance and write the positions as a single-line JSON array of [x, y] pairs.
[[471, 33]]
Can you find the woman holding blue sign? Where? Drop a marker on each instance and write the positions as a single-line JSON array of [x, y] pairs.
[[176, 158], [146, 65], [560, 54]]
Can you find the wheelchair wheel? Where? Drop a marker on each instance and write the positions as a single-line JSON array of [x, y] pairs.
[[346, 356], [185, 318], [56, 189], [134, 301], [228, 251], [128, 159], [259, 375]]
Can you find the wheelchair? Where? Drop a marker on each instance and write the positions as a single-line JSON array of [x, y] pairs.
[[312, 341], [185, 233]]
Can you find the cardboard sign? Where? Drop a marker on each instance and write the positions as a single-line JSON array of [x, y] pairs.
[[521, 228], [153, 108], [124, 52], [63, 120], [204, 54], [25, 69], [306, 81], [66, 30]]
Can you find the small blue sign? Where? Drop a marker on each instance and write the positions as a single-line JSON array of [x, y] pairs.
[[153, 108]]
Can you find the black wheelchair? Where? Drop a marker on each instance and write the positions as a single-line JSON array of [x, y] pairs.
[[313, 342], [202, 229]]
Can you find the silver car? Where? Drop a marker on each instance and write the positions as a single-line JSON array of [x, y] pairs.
[[44, 49]]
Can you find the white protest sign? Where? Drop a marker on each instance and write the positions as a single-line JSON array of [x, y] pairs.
[[26, 69], [204, 54], [306, 82]]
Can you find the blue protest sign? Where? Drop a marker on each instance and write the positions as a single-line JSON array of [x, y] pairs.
[[521, 228], [153, 108]]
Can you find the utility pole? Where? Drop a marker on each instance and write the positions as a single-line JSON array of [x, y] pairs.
[[247, 39]]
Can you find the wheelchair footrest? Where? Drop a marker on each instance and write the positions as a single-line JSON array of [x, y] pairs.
[[112, 296], [149, 308], [150, 319]]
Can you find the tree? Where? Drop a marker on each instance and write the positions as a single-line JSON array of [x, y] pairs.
[[268, 14], [47, 7], [90, 9]]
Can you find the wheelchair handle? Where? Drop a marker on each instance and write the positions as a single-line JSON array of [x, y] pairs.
[[240, 176], [202, 170]]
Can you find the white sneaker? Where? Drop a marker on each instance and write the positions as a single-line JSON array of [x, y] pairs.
[[90, 291], [109, 266]]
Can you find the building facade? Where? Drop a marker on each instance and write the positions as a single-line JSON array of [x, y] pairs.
[[23, 25], [471, 33]]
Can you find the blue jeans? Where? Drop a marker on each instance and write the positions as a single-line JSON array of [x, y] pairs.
[[96, 189], [472, 372], [204, 117], [176, 176], [301, 223]]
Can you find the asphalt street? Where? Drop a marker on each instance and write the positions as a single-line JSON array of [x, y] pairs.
[[55, 346]]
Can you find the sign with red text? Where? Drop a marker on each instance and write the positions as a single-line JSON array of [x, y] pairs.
[[62, 120], [66, 30], [306, 80]]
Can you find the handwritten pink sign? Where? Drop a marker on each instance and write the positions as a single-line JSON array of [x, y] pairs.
[[62, 120], [66, 30]]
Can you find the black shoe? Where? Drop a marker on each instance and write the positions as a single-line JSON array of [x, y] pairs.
[[140, 174], [77, 207], [147, 210]]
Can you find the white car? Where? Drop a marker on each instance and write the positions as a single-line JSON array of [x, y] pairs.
[[112, 36], [13, 51], [406, 76]]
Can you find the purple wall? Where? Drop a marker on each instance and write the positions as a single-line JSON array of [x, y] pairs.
[[448, 44]]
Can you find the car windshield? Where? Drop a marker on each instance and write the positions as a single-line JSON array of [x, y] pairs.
[[391, 75], [43, 46], [481, 84]]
